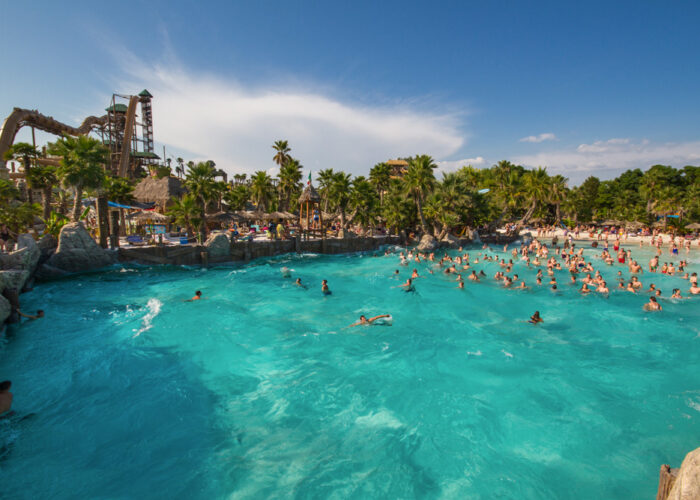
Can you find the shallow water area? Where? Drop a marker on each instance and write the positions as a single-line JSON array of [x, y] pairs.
[[260, 390]]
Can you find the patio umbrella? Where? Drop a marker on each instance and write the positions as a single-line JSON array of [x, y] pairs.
[[148, 217], [224, 217], [694, 225]]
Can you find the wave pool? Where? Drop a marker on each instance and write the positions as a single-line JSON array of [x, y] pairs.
[[259, 391]]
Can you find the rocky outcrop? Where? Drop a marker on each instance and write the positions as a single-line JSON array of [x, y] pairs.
[[427, 244], [76, 252], [47, 246], [25, 257], [450, 240], [687, 483], [5, 310], [218, 247]]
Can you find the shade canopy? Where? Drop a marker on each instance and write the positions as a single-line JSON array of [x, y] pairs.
[[224, 217], [162, 190], [148, 217], [694, 225], [310, 194]]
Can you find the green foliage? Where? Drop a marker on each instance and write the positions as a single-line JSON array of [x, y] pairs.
[[186, 212], [237, 197], [261, 190], [54, 223]]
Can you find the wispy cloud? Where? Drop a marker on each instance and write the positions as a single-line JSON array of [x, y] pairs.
[[539, 138], [452, 166], [235, 125], [611, 157]]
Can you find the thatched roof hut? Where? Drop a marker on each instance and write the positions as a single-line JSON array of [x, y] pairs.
[[149, 217], [160, 191], [309, 194]]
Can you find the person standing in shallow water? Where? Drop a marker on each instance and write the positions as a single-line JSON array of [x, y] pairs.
[[324, 288], [535, 318]]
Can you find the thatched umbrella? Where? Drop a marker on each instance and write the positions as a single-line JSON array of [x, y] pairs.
[[148, 217], [252, 215], [694, 225], [224, 217], [160, 191], [289, 216], [275, 216], [611, 222], [635, 224]]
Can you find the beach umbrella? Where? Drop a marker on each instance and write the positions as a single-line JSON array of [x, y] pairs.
[[694, 225], [611, 222], [223, 217], [275, 216], [252, 215], [148, 217]]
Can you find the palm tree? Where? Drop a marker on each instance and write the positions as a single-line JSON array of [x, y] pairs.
[[536, 184], [82, 165], [43, 177], [180, 169], [379, 176], [398, 211], [339, 194], [261, 189], [120, 190], [325, 179], [237, 197], [419, 181], [289, 176], [364, 202], [25, 152], [186, 212], [282, 150], [201, 184], [557, 194]]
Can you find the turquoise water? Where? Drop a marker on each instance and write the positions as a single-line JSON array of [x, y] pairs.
[[258, 391]]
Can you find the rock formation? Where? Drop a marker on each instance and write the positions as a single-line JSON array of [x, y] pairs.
[[218, 247], [76, 252], [687, 483], [427, 244]]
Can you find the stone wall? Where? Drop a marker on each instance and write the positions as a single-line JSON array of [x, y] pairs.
[[214, 250]]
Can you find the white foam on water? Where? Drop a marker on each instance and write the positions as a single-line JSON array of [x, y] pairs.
[[382, 418], [153, 306], [508, 355], [477, 353]]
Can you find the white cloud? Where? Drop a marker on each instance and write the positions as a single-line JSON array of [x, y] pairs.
[[452, 166], [235, 125], [609, 158], [539, 138]]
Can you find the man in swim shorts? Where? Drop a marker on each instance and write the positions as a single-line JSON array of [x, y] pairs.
[[364, 321]]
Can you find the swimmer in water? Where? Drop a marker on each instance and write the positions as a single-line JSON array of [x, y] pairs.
[[5, 397], [324, 288], [197, 296], [366, 322], [408, 286], [652, 305], [39, 314], [299, 284], [286, 272], [535, 318]]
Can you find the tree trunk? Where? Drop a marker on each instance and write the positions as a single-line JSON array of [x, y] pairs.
[[46, 201], [557, 217], [76, 203], [27, 166], [419, 205], [122, 223], [203, 224]]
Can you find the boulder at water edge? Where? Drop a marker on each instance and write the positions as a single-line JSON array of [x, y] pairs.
[[687, 484], [76, 252], [427, 244], [450, 240], [26, 257], [5, 310], [218, 246]]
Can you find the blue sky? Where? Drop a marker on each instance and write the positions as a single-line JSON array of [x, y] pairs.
[[584, 88]]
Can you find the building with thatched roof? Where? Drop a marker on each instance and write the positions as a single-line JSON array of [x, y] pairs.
[[310, 201], [309, 195], [398, 168], [159, 191]]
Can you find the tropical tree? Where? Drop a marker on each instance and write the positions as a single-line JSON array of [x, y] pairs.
[[364, 202], [289, 180], [419, 181], [81, 166], [261, 189], [120, 190], [25, 152], [398, 211], [380, 176], [43, 177], [557, 194], [200, 183], [325, 179], [237, 197], [186, 212], [339, 194], [536, 184], [180, 168], [282, 151]]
